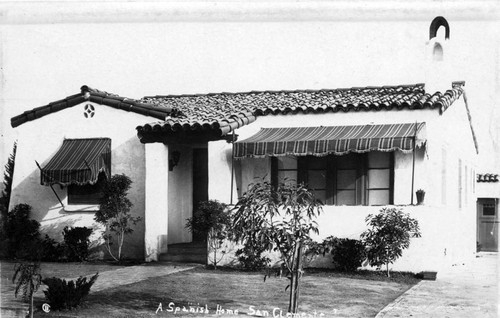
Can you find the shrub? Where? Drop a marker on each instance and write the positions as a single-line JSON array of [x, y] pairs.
[[23, 239], [76, 240], [210, 222], [347, 254], [389, 234], [250, 257], [51, 251], [209, 215], [23, 236], [67, 295]]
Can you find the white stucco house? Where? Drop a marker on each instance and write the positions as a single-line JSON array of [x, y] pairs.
[[360, 149]]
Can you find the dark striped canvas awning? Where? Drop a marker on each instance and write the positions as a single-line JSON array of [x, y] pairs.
[[78, 161], [321, 141]]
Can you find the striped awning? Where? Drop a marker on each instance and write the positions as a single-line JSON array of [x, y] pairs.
[[338, 140], [78, 161]]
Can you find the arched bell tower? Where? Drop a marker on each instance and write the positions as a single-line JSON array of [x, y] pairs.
[[438, 57]]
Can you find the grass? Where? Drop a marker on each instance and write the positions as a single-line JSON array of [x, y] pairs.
[[67, 270], [330, 293]]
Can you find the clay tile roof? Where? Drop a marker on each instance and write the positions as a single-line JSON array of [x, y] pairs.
[[96, 96], [487, 177], [228, 111]]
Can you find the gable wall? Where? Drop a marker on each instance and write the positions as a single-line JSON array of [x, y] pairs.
[[458, 195], [40, 139]]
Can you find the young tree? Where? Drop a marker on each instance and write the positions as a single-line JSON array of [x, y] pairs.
[[280, 219], [389, 234], [114, 212], [210, 221], [27, 276]]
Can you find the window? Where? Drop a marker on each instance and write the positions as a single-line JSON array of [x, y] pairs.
[[86, 194], [353, 179], [489, 208]]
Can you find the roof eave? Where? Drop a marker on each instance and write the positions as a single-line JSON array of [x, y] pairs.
[[95, 96]]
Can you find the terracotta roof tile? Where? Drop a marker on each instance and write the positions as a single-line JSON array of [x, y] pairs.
[[228, 111], [222, 113], [487, 177], [96, 96]]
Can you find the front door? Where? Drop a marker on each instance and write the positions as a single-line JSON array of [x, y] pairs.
[[200, 181], [487, 224]]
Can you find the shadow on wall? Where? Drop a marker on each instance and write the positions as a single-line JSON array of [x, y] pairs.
[[235, 164], [128, 158]]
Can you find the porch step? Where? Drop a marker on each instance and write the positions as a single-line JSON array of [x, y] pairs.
[[186, 253]]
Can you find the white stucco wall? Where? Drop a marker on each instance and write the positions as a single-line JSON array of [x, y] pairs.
[[448, 233], [488, 189], [157, 201], [219, 172], [40, 139]]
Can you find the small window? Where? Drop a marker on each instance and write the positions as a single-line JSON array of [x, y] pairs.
[[287, 168], [347, 176], [379, 178], [316, 177], [88, 194], [488, 209]]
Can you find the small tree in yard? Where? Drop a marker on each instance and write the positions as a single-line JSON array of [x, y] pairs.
[[114, 212], [27, 278], [389, 234], [210, 221], [280, 219]]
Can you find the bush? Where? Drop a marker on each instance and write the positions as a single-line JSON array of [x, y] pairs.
[[389, 234], [347, 254], [250, 257], [50, 250], [67, 295], [209, 215], [77, 242], [209, 223], [23, 236]]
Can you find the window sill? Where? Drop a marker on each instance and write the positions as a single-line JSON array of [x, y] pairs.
[[81, 208]]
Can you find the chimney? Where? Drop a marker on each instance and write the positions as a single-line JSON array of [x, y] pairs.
[[438, 70]]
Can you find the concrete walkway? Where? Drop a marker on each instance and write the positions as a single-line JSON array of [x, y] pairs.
[[462, 291], [12, 307]]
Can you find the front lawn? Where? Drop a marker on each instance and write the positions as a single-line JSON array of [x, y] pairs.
[[218, 291]]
